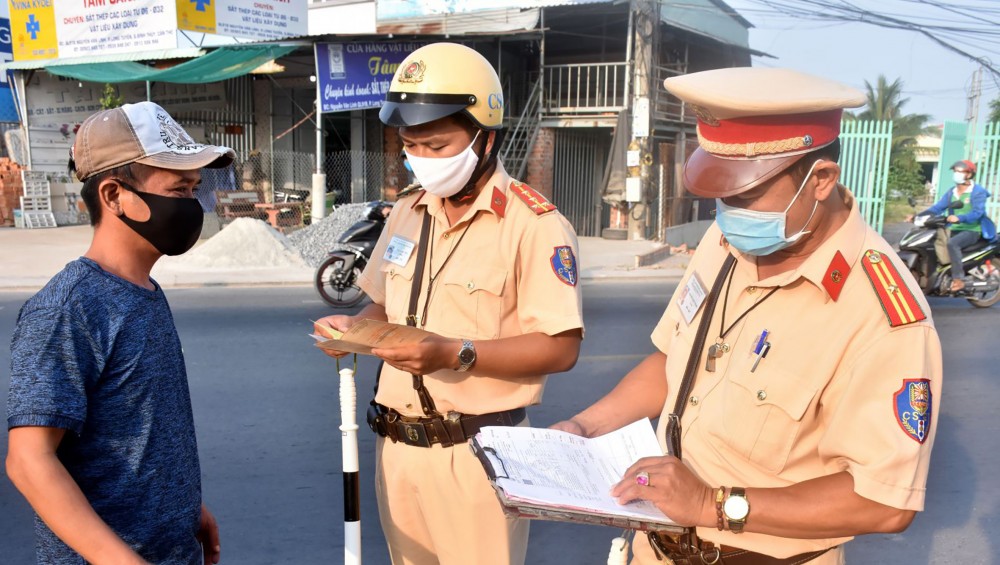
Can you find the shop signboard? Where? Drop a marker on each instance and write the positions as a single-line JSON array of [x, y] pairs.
[[356, 76], [102, 27], [260, 19], [33, 29], [401, 9]]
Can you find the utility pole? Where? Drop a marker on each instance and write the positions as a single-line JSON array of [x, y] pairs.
[[975, 94], [646, 21]]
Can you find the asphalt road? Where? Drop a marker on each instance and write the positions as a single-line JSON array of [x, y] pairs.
[[266, 410]]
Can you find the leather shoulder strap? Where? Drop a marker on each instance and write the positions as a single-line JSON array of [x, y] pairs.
[[673, 432]]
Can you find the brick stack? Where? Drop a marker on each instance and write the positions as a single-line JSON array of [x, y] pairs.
[[11, 190]]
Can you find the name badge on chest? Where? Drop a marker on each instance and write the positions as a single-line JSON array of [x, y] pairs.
[[691, 298], [399, 250]]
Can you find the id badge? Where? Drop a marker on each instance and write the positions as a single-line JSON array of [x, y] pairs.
[[692, 296], [399, 250]]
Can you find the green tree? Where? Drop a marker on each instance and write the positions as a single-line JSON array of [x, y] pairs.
[[994, 111], [111, 99], [905, 177], [885, 102]]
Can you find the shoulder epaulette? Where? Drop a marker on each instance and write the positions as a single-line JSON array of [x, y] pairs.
[[535, 201], [895, 297]]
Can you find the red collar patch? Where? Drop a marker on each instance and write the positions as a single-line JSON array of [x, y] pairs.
[[498, 203], [836, 274]]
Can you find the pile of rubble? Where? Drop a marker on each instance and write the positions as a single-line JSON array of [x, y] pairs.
[[315, 241]]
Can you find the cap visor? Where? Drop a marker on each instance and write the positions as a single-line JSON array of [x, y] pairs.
[[399, 115], [715, 177], [213, 157]]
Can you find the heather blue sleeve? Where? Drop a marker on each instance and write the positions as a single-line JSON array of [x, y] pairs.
[[52, 359]]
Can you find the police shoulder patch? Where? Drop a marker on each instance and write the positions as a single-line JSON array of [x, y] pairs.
[[535, 201], [564, 264], [894, 296], [912, 406]]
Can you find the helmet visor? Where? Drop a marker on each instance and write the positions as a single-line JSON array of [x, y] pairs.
[[710, 176], [403, 109]]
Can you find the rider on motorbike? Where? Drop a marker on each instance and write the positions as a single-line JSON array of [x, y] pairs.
[[967, 223]]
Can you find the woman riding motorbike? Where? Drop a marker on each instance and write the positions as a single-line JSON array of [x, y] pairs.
[[967, 223]]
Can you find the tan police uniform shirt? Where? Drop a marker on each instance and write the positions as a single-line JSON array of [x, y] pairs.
[[511, 271], [824, 400]]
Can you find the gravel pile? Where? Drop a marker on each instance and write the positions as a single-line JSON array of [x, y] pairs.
[[314, 242], [244, 243]]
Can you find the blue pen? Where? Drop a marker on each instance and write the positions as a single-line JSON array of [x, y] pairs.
[[760, 342]]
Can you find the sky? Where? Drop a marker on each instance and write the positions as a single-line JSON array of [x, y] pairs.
[[936, 81]]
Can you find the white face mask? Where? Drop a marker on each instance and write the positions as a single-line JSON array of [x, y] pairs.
[[958, 177], [444, 176]]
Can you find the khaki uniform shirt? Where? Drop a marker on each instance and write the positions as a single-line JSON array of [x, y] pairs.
[[832, 395], [511, 272]]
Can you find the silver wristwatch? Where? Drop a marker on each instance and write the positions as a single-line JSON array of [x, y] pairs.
[[466, 355]]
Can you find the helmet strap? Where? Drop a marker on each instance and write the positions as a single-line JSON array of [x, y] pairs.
[[485, 162]]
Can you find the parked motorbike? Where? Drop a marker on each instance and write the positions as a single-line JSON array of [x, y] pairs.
[[337, 277], [981, 262]]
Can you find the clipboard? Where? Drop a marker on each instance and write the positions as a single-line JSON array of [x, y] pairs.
[[622, 517]]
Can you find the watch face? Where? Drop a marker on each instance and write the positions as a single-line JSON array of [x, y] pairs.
[[467, 355], [736, 508]]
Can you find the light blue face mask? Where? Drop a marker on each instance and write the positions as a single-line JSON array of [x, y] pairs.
[[759, 233]]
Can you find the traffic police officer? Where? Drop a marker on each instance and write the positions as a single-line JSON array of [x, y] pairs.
[[810, 410], [490, 267]]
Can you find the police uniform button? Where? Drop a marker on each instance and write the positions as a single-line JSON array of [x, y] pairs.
[[751, 289], [694, 401], [470, 285], [761, 395], [408, 405], [446, 236], [392, 272]]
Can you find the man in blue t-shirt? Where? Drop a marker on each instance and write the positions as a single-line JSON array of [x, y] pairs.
[[101, 433]]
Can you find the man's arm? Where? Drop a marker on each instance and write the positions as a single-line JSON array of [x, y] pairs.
[[641, 394], [35, 470], [520, 356], [824, 507]]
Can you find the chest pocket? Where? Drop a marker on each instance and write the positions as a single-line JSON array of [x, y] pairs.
[[398, 284], [473, 297], [760, 414]]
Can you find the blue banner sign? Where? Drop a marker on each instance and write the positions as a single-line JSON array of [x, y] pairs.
[[356, 76], [8, 111]]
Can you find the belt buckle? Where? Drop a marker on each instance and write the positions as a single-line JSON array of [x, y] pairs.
[[414, 434]]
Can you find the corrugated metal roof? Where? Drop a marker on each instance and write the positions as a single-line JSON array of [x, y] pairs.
[[479, 22], [183, 53]]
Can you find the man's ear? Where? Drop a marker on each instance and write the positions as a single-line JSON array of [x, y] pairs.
[[827, 174], [109, 193], [490, 140]]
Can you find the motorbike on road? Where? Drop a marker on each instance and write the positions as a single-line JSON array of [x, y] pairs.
[[337, 277], [981, 262]]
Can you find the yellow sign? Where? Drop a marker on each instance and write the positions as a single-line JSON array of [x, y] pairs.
[[196, 15], [33, 29]]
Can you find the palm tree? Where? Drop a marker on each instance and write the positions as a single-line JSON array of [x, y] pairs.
[[885, 102]]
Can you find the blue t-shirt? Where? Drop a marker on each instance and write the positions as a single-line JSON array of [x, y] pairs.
[[99, 357]]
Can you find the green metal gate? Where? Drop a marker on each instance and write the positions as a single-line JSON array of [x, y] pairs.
[[982, 147], [864, 165]]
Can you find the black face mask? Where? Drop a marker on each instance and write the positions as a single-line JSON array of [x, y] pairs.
[[174, 224]]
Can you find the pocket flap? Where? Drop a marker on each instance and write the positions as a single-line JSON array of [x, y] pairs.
[[772, 386], [483, 277]]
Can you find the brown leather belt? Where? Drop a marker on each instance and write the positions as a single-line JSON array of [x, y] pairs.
[[450, 429], [681, 549]]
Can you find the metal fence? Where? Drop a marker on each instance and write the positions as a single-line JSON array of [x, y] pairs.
[[864, 165], [277, 186], [585, 88]]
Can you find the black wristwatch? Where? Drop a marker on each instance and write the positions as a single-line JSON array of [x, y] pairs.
[[466, 355]]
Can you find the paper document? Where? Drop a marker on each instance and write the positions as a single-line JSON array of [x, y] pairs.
[[367, 334], [543, 473]]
